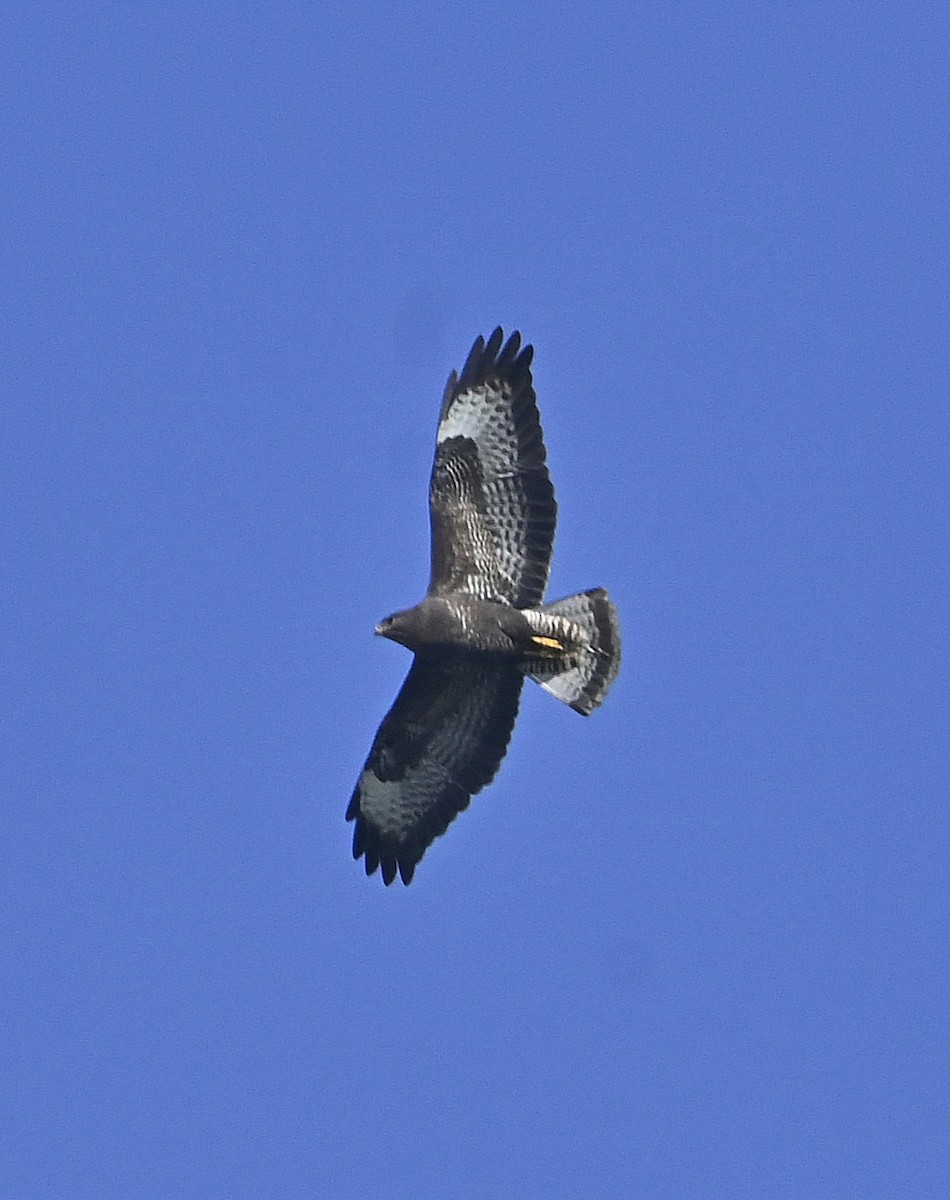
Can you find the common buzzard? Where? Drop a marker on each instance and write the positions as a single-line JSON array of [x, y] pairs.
[[482, 626]]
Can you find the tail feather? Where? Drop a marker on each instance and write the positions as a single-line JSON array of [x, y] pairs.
[[585, 683]]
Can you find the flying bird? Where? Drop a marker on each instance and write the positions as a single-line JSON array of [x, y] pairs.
[[483, 626]]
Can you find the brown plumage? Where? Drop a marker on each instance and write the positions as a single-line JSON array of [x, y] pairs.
[[482, 626]]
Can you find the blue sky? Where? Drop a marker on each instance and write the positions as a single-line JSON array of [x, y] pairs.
[[695, 946]]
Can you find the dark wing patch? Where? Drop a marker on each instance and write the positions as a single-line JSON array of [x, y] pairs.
[[441, 742], [491, 502]]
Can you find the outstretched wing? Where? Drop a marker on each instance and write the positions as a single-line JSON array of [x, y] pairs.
[[491, 502], [441, 742]]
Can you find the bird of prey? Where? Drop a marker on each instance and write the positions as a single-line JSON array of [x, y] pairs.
[[482, 626]]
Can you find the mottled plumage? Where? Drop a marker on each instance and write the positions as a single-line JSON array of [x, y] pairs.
[[482, 626]]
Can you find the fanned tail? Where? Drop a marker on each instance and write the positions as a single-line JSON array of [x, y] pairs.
[[584, 684]]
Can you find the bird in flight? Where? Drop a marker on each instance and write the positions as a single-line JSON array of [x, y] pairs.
[[483, 626]]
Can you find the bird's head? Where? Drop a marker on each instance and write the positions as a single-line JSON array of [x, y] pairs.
[[385, 625], [399, 627]]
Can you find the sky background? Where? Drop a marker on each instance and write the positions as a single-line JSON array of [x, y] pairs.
[[696, 946]]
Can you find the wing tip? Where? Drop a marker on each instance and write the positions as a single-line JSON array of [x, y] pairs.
[[376, 854], [496, 358]]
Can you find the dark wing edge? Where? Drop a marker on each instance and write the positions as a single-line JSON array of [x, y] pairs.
[[442, 741], [491, 500], [484, 363]]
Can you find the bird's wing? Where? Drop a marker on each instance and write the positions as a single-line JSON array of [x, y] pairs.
[[441, 742], [491, 502]]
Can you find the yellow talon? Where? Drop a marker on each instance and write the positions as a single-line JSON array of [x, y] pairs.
[[548, 643]]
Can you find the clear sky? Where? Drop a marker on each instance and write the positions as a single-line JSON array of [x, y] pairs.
[[696, 946]]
